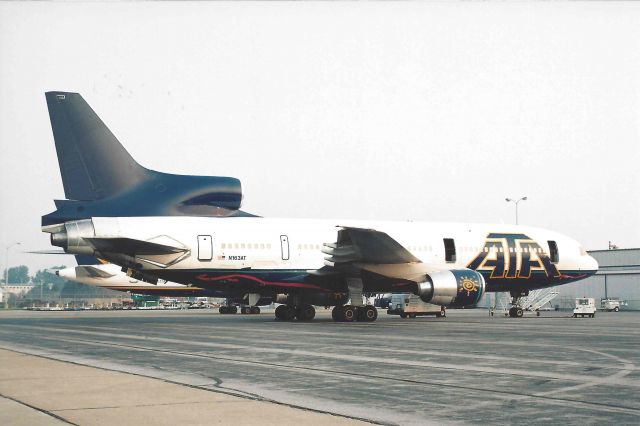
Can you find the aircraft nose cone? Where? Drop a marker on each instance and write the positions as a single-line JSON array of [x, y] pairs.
[[591, 264]]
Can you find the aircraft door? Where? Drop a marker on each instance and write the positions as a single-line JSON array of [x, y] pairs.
[[284, 247], [205, 247]]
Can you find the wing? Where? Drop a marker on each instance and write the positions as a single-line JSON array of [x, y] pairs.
[[380, 261]]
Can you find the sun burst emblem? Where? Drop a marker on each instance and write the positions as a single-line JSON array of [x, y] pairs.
[[469, 285]]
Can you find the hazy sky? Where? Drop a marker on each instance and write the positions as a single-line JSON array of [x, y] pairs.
[[422, 111]]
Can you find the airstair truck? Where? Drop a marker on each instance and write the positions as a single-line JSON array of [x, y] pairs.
[[585, 306], [409, 305]]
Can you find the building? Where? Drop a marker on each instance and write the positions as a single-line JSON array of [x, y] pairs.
[[618, 277], [17, 289]]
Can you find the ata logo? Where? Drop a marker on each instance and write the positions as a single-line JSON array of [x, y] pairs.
[[512, 256], [469, 285]]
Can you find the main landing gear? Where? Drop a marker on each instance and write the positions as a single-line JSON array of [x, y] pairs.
[[349, 313], [289, 312]]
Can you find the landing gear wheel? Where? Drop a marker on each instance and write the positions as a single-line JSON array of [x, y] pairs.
[[403, 315], [223, 310], [516, 312], [367, 313], [255, 310], [537, 313], [233, 309], [616, 309], [305, 313], [336, 313], [244, 310], [348, 313], [285, 313]]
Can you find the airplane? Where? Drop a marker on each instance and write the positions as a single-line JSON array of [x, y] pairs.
[[111, 277], [444, 263], [299, 262]]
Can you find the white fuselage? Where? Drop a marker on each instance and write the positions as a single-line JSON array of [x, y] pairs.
[[288, 244]]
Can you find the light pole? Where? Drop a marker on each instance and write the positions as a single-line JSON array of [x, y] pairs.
[[510, 200], [6, 271]]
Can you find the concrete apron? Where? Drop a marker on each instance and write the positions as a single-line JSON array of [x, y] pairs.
[[40, 391]]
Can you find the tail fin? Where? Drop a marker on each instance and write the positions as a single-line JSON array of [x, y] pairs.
[[93, 164]]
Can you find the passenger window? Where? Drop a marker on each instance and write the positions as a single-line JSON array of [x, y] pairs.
[[449, 250], [554, 255]]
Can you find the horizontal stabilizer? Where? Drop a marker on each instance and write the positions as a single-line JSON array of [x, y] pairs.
[[47, 252], [131, 246]]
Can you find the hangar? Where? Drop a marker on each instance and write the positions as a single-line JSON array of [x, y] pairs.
[[618, 276]]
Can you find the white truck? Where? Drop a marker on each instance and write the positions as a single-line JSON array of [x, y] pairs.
[[409, 305], [611, 304], [585, 306]]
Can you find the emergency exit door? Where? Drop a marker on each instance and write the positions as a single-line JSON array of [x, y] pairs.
[[284, 247], [205, 247]]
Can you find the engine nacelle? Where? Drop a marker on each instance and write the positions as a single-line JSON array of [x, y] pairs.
[[455, 287], [69, 236]]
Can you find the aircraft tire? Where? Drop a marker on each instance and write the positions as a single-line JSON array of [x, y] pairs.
[[616, 309], [403, 315], [255, 310], [369, 314], [222, 310], [280, 312], [233, 310], [349, 313], [519, 312], [305, 312], [243, 310]]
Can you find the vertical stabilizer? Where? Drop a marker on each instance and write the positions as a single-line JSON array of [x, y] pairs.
[[93, 163]]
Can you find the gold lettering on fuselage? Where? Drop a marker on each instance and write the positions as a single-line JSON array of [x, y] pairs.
[[512, 256]]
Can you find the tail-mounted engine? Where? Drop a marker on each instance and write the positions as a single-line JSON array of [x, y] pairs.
[[456, 287]]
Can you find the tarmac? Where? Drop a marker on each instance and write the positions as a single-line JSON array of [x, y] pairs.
[[199, 367]]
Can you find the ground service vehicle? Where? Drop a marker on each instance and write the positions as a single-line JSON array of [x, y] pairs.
[[611, 304], [409, 305], [585, 306]]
